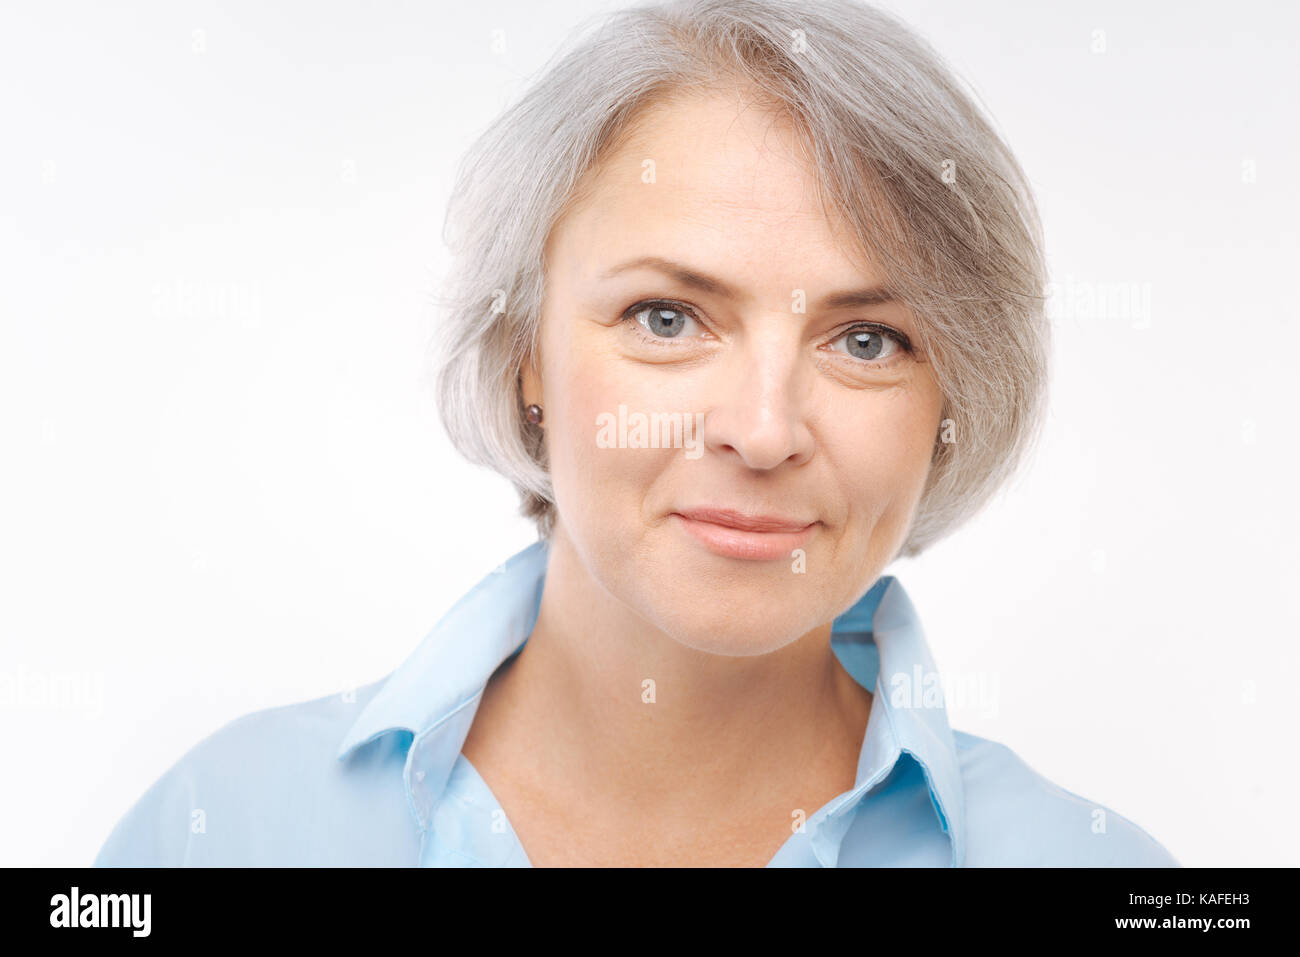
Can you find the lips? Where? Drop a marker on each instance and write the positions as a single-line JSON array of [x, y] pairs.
[[734, 534], [746, 523]]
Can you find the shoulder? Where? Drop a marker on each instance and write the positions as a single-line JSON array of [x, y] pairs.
[[265, 788], [1016, 817]]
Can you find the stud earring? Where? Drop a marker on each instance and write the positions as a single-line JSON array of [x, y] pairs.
[[534, 414]]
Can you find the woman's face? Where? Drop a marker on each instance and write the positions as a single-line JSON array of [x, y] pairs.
[[710, 342]]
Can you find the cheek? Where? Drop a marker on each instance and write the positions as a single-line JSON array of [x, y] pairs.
[[598, 484], [882, 455]]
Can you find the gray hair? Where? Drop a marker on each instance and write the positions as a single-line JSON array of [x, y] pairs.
[[901, 153]]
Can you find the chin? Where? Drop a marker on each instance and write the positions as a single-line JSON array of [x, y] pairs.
[[733, 621]]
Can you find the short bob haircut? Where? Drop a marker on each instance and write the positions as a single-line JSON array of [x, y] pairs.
[[901, 154]]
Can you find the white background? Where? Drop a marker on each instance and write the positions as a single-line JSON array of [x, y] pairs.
[[224, 486]]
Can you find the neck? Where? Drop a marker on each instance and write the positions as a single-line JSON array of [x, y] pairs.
[[606, 704]]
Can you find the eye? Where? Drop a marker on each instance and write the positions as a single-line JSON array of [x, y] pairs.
[[663, 320], [873, 343]]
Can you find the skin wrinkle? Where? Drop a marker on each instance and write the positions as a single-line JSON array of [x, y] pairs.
[[754, 716]]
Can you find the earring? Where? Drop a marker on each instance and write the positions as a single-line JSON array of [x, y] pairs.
[[534, 414]]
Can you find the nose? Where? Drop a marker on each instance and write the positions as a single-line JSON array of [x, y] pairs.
[[759, 409]]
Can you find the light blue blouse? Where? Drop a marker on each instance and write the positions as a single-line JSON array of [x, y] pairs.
[[375, 776]]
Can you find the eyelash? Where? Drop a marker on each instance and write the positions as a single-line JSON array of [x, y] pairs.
[[904, 344]]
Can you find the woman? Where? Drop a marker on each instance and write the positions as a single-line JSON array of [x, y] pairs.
[[746, 304]]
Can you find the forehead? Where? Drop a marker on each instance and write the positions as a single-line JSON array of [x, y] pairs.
[[716, 180]]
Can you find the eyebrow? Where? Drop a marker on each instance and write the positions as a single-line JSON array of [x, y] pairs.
[[872, 296]]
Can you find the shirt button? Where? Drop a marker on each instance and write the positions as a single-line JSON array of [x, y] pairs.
[[419, 777]]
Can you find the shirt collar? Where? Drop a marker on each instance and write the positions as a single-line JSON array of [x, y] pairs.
[[435, 692]]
